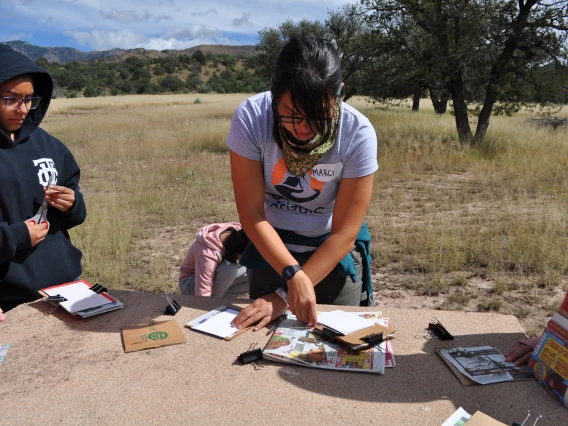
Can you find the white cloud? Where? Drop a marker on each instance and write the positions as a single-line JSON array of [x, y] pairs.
[[243, 20], [193, 31], [17, 36], [128, 39], [125, 16], [104, 40], [209, 11]]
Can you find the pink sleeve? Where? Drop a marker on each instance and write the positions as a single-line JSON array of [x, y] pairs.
[[205, 265]]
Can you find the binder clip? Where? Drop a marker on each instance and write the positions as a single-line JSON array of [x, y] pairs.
[[98, 288], [329, 335], [172, 308], [57, 298], [531, 420], [373, 339], [252, 355], [439, 330]]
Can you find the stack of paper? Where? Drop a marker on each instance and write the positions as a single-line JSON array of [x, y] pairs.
[[343, 322], [81, 300]]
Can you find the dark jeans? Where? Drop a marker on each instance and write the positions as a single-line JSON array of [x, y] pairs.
[[332, 290]]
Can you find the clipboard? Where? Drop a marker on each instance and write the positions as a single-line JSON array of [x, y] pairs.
[[80, 298], [197, 323]]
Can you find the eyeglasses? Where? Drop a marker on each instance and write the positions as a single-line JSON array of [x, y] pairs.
[[13, 103], [294, 119]]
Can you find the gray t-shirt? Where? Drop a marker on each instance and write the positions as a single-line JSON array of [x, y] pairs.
[[303, 204]]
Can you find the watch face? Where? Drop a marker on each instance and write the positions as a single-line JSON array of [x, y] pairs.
[[290, 271]]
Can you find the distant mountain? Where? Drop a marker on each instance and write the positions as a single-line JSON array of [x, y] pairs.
[[63, 55]]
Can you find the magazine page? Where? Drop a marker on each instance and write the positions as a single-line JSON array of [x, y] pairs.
[[294, 342], [483, 364]]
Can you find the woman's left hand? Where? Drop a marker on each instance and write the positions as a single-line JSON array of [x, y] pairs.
[[60, 197], [519, 354], [263, 309]]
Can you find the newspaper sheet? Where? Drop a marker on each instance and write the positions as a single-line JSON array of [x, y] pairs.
[[483, 364]]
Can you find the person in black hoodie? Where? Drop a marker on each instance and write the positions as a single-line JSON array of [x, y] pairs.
[[33, 165]]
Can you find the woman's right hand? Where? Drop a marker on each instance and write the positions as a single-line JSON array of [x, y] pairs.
[[302, 298], [519, 354], [2, 316], [37, 232]]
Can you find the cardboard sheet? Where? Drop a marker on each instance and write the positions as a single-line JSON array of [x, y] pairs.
[[137, 337], [481, 419]]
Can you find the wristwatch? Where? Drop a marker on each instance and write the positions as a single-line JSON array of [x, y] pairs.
[[283, 294], [289, 271]]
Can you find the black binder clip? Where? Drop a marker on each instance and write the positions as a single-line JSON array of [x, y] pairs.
[[439, 330], [98, 288], [329, 335], [57, 298], [373, 339], [172, 308], [251, 355]]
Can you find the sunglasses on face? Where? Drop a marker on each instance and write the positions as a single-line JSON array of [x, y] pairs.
[[13, 103]]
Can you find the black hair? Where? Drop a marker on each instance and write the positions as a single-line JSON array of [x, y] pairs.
[[309, 68], [235, 243]]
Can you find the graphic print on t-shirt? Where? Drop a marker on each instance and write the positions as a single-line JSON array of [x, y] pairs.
[[299, 189], [46, 168]]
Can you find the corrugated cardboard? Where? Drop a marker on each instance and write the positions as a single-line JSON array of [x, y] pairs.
[[481, 419], [137, 337]]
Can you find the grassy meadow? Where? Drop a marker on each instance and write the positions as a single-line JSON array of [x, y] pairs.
[[473, 228]]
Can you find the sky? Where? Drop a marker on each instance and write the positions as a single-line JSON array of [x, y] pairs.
[[151, 24]]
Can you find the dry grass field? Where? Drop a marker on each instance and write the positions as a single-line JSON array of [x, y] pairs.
[[454, 227]]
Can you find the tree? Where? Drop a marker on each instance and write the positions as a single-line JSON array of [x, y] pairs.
[[271, 40], [346, 27], [92, 91], [351, 32], [484, 53], [199, 56], [172, 83]]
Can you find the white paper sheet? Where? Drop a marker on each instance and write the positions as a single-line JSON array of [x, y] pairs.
[[344, 322], [459, 417], [220, 324]]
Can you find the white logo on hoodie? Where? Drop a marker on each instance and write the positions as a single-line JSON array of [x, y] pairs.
[[46, 168]]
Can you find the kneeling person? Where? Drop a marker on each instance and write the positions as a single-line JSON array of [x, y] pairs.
[[210, 267]]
